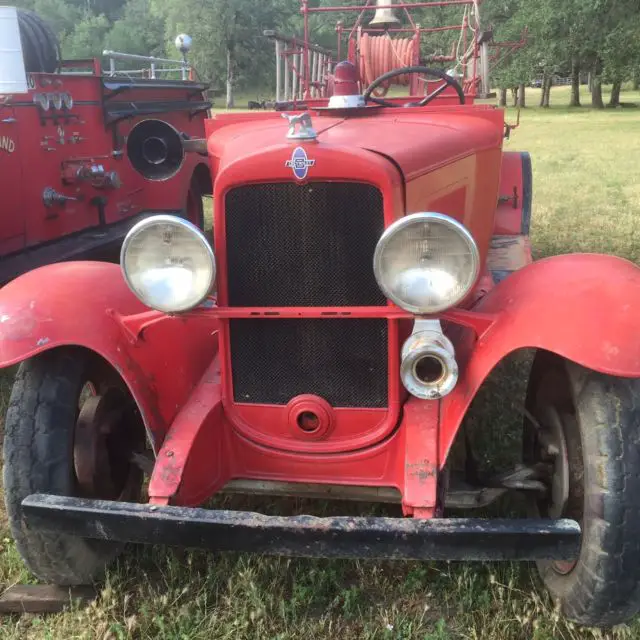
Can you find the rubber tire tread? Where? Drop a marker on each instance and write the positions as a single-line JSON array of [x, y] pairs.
[[603, 590], [38, 457], [40, 44]]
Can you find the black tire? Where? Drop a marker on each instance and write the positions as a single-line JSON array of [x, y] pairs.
[[38, 457], [602, 431], [194, 209]]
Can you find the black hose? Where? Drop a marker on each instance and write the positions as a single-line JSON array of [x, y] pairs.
[[40, 45]]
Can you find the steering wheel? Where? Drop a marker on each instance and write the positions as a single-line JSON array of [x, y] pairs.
[[448, 81]]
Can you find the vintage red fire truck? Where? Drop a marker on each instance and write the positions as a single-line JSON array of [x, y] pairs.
[[86, 152], [370, 269]]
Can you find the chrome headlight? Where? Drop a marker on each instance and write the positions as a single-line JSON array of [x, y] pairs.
[[426, 262], [168, 263]]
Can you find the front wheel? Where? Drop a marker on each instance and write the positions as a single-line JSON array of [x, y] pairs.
[[71, 430], [583, 434]]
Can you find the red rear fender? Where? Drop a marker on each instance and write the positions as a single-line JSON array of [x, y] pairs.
[[88, 304], [583, 307]]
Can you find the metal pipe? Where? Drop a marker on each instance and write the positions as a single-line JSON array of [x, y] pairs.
[[465, 26], [310, 490], [305, 50], [291, 40], [294, 90], [133, 56], [454, 27], [416, 5], [484, 68], [278, 71], [314, 75], [287, 71]]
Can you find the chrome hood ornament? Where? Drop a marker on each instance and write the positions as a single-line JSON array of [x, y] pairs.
[[305, 130]]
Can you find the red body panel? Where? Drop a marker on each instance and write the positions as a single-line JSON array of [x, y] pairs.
[[171, 367], [83, 304], [46, 145], [582, 307], [12, 227]]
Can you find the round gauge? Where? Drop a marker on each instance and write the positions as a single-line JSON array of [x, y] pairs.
[[42, 100], [67, 101], [56, 100]]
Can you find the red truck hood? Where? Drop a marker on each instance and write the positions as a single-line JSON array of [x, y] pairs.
[[416, 140]]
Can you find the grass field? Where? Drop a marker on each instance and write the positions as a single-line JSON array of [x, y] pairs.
[[586, 198]]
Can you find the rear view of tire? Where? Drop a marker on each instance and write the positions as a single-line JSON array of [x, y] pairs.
[[583, 432], [194, 207], [70, 430]]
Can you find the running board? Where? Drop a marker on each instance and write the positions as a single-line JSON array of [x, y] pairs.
[[306, 536]]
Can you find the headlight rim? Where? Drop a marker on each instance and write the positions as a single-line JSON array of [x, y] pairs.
[[186, 224], [407, 221]]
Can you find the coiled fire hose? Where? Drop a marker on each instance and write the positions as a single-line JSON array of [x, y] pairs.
[[39, 43], [381, 54]]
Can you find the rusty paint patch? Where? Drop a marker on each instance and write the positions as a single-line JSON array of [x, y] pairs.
[[422, 471]]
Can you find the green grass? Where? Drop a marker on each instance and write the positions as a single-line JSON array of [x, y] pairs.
[[586, 198]]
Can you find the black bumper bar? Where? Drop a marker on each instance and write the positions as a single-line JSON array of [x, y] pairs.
[[306, 536]]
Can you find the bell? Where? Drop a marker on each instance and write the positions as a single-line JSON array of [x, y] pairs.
[[386, 17]]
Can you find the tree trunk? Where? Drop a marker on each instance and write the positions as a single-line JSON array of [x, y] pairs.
[[615, 93], [636, 80], [503, 98], [575, 83], [230, 102], [546, 92], [514, 95], [596, 92], [543, 86], [522, 96]]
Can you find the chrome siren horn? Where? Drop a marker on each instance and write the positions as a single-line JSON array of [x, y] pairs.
[[155, 149]]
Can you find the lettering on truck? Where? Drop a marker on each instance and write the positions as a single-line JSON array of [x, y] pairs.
[[7, 144]]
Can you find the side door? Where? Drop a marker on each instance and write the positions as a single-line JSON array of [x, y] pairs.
[[12, 221]]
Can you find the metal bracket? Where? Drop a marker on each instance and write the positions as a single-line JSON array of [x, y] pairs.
[[508, 128], [306, 131]]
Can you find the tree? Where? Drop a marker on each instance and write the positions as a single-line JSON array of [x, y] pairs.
[[87, 39], [139, 31]]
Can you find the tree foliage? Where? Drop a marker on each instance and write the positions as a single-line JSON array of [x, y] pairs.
[[566, 37]]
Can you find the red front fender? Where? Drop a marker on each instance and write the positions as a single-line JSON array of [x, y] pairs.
[[583, 307], [88, 304]]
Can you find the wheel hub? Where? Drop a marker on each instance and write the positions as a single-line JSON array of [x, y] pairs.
[[99, 423], [553, 452]]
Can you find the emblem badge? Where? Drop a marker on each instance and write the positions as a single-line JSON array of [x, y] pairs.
[[300, 163]]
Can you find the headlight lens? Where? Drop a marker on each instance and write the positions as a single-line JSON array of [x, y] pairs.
[[168, 263], [426, 262]]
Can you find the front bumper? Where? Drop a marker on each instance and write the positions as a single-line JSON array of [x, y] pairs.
[[306, 536]]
